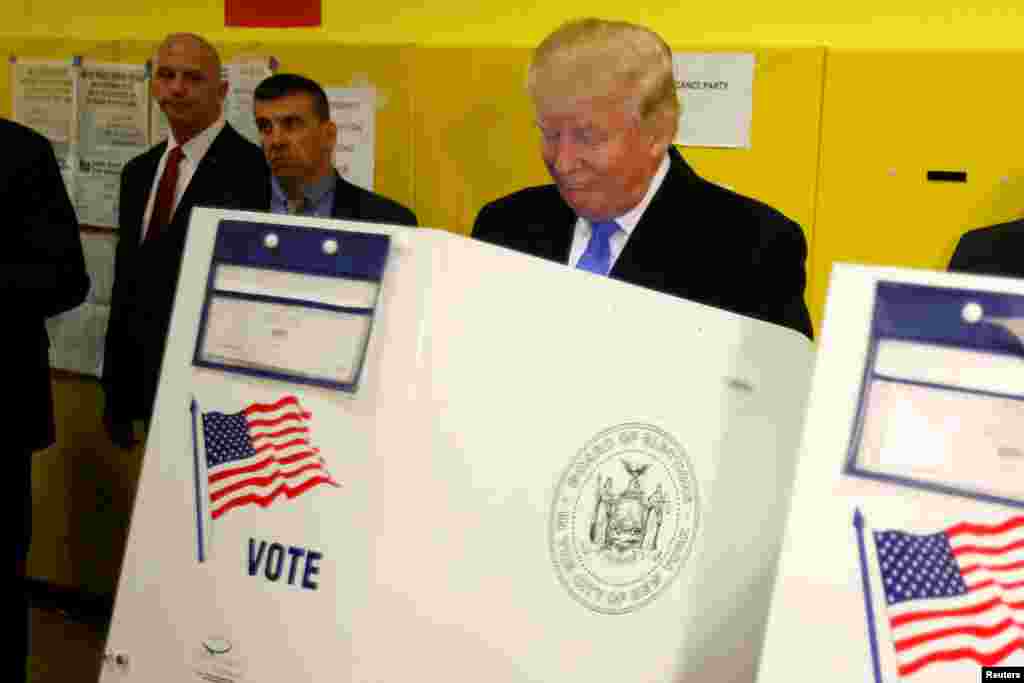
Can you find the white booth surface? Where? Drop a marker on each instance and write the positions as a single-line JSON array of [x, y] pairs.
[[903, 556], [535, 475]]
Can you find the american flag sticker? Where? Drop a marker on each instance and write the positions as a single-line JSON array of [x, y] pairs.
[[953, 595], [261, 455]]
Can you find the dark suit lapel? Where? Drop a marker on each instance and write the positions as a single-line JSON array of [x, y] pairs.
[[555, 228], [206, 176], [138, 184], [649, 234], [345, 200]]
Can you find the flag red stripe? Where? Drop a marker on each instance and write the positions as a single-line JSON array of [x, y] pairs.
[[279, 434], [985, 529], [979, 631], [263, 481], [262, 464], [264, 501], [235, 471], [992, 567], [286, 400], [296, 457], [282, 446], [982, 658], [911, 617], [993, 582], [984, 550], [276, 421]]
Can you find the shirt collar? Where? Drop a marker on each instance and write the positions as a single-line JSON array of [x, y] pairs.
[[314, 192], [196, 148], [631, 218]]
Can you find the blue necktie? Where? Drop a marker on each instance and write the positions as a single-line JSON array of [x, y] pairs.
[[598, 256]]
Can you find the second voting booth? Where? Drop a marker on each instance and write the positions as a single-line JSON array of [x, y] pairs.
[[903, 557], [385, 454]]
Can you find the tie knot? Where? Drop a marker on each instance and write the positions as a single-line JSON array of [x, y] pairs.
[[177, 154], [604, 229]]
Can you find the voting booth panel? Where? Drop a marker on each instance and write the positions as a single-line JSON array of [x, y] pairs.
[[901, 554], [200, 612], [534, 474], [555, 383]]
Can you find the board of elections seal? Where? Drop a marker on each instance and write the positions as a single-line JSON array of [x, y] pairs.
[[624, 518]]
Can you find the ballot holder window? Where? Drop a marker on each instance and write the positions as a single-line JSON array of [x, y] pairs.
[[291, 303], [942, 397]]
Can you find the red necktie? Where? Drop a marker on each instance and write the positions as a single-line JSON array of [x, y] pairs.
[[164, 202]]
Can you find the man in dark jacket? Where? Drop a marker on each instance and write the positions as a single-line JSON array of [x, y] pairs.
[[298, 137], [42, 274], [204, 163], [624, 202]]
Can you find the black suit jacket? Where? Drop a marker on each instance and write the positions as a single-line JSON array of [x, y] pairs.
[[696, 240], [233, 175], [995, 250], [353, 203], [42, 273]]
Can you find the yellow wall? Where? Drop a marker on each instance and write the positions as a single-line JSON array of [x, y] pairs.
[[889, 118], [870, 23]]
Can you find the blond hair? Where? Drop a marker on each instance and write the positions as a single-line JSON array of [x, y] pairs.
[[594, 58]]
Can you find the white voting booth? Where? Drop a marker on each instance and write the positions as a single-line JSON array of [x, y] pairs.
[[384, 454], [903, 556]]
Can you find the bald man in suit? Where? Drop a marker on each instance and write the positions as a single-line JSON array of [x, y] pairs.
[[204, 163]]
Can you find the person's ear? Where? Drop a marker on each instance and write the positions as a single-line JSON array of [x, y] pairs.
[[330, 135]]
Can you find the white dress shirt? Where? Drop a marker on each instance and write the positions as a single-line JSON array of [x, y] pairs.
[[627, 221], [194, 151]]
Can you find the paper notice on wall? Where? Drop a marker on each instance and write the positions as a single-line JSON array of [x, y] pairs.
[[716, 95], [43, 98], [354, 111], [243, 75], [99, 251], [159, 128], [112, 129], [77, 339]]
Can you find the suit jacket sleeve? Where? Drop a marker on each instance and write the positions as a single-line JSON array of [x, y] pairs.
[[485, 227], [961, 255], [973, 252], [127, 244], [43, 268], [783, 277], [397, 214]]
